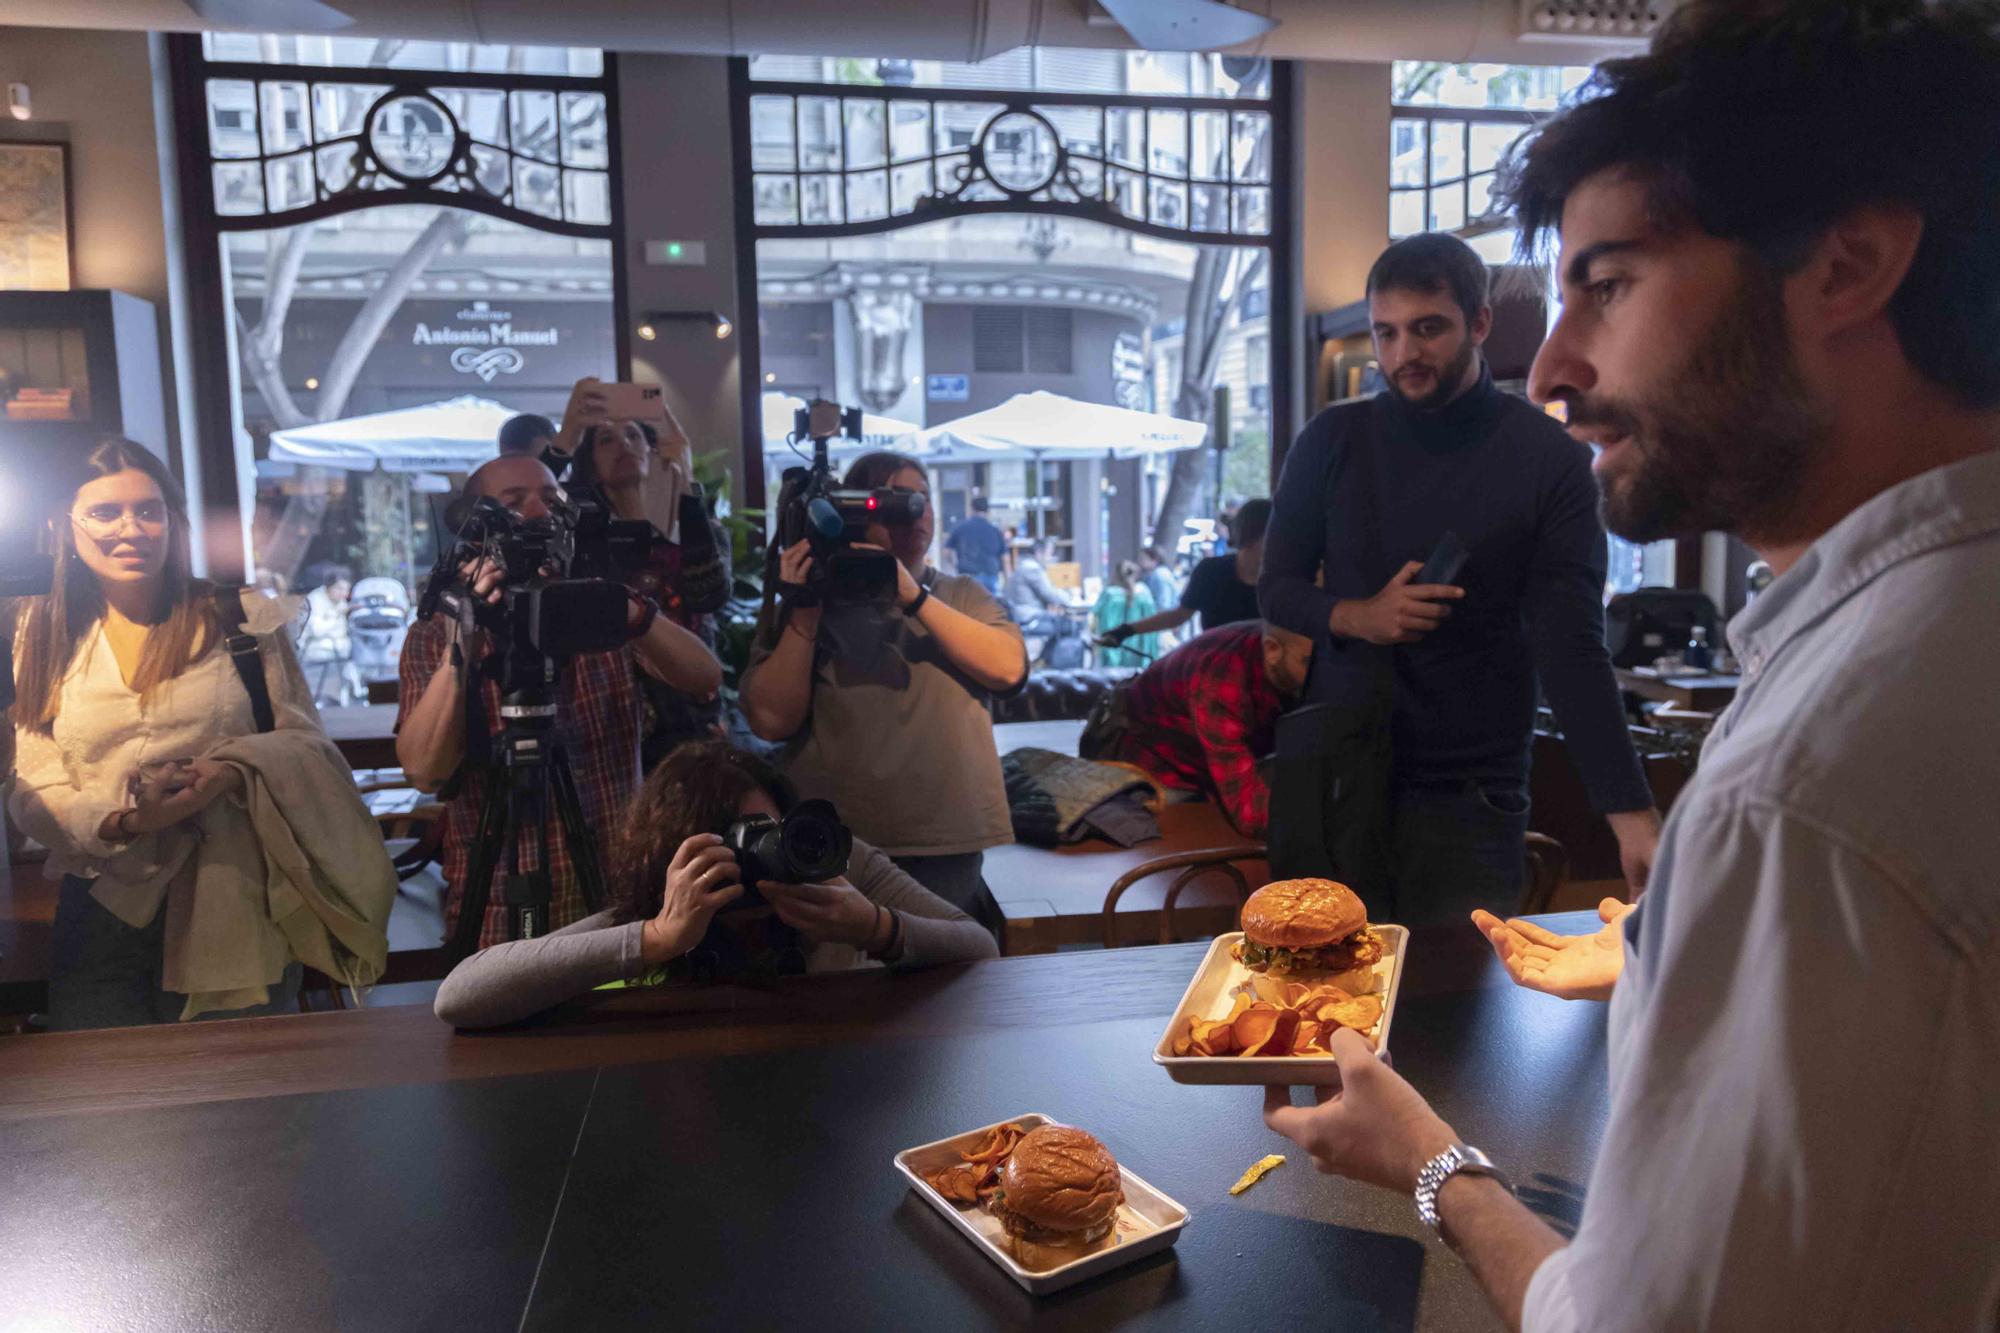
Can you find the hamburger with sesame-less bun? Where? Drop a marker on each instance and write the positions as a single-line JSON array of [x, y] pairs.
[[1059, 1196], [1298, 926]]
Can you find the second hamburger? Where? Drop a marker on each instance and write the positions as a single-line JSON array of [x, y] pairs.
[[1299, 926], [1059, 1196]]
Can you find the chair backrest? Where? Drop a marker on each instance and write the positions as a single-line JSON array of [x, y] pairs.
[[1548, 867], [1192, 865]]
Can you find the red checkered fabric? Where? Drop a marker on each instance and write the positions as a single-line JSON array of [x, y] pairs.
[[1202, 716], [597, 723]]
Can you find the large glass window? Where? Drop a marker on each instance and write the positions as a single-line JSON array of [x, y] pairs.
[[1450, 127], [415, 243], [942, 243]]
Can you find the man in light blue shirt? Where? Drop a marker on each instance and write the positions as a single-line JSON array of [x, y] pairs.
[[1780, 238]]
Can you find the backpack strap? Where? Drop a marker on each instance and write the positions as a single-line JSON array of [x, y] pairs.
[[242, 647]]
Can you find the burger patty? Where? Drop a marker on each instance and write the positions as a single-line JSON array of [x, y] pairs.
[[1357, 950], [1016, 1225]]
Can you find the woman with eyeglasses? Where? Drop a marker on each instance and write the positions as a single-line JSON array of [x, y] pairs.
[[886, 711], [128, 703]]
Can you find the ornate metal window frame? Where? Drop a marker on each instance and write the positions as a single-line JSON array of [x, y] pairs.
[[1436, 123], [1064, 189], [1080, 176], [210, 450], [350, 170]]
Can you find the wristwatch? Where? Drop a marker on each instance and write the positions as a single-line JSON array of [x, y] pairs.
[[1458, 1157]]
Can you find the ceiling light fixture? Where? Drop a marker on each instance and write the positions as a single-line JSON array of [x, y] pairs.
[[650, 322]]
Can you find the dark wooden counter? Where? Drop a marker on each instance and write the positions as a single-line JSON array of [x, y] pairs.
[[629, 1165]]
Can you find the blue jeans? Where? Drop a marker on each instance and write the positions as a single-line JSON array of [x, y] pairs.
[[958, 879], [1457, 847], [106, 974], [990, 582]]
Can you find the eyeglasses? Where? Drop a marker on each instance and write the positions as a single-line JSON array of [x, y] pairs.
[[104, 521]]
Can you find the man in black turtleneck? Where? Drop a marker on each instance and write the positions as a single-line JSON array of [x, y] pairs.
[[1368, 491]]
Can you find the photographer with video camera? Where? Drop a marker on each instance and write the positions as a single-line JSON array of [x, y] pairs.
[[877, 671], [531, 632], [701, 872]]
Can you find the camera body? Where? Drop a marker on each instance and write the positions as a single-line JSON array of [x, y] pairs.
[[808, 846], [561, 593], [834, 519]]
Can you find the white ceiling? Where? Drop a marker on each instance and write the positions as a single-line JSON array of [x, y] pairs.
[[1373, 30]]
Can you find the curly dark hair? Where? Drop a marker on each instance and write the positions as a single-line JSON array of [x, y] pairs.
[[1764, 121], [695, 789]]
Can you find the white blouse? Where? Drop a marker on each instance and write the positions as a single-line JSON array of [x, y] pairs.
[[68, 781]]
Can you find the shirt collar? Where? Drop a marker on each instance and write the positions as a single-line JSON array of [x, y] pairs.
[[1466, 419], [1941, 507]]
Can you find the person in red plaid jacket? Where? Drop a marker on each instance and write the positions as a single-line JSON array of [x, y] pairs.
[[1203, 717], [597, 714]]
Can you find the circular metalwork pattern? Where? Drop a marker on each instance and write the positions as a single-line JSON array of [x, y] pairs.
[[1020, 151], [413, 136]]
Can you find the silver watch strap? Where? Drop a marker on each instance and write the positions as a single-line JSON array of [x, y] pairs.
[[1458, 1157]]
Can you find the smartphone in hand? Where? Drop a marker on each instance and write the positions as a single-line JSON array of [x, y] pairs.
[[1446, 561], [635, 402]]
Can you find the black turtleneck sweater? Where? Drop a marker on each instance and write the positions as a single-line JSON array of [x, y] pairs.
[[1370, 485]]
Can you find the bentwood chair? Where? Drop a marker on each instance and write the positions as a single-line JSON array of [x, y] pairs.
[[1192, 866]]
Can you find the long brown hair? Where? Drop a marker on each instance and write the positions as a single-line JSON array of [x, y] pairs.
[[695, 789], [53, 627]]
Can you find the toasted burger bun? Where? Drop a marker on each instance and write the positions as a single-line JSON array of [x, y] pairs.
[[1302, 914], [1040, 1257], [1060, 1180]]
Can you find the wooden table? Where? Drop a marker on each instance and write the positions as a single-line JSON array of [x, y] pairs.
[[363, 733], [1701, 693], [1053, 896], [635, 1167]]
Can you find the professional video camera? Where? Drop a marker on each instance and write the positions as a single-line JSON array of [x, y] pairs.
[[560, 588], [812, 508], [808, 846]]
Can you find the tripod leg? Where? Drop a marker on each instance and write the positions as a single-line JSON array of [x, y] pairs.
[[576, 830], [496, 830]]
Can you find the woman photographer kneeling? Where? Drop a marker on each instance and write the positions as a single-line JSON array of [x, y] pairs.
[[673, 874], [886, 709]]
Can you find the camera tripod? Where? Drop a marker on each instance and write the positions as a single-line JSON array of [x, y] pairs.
[[528, 768]]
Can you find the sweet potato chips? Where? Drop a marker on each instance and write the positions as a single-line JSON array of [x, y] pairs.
[[1271, 1017], [970, 1181]]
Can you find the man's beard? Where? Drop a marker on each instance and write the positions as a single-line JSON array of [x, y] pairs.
[[1724, 442], [1449, 381]]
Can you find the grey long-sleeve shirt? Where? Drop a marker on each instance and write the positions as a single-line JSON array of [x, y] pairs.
[[512, 981]]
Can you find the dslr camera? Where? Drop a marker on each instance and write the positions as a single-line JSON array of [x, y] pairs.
[[808, 846], [561, 593], [834, 519]]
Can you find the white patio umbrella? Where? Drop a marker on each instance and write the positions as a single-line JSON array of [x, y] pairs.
[[1051, 426], [452, 436]]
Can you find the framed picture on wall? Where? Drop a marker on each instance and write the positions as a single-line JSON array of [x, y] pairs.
[[36, 238]]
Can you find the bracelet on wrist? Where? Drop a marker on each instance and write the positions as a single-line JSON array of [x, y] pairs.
[[923, 595], [651, 612]]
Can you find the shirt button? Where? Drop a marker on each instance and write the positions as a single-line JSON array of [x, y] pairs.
[[1756, 661]]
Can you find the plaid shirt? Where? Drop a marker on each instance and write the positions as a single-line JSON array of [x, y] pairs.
[[1202, 716], [597, 722]]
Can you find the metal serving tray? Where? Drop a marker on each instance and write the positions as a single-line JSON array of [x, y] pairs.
[[1148, 1221], [1208, 996]]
